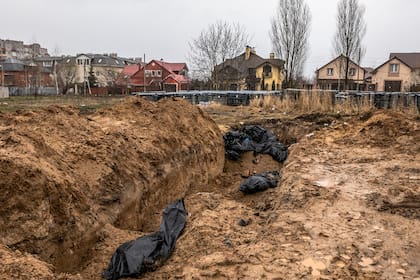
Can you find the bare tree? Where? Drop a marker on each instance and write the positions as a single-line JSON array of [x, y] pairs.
[[220, 41], [289, 36], [66, 74], [351, 28], [56, 51]]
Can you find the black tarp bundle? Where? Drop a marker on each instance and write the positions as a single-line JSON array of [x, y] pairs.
[[253, 138], [146, 253], [260, 182]]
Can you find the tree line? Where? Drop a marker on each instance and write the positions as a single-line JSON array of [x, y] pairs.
[[289, 33]]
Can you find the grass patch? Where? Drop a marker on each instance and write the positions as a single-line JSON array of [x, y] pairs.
[[15, 103]]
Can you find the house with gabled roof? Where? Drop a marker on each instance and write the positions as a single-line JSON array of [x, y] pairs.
[[331, 76], [249, 71], [400, 73], [85, 68], [157, 75], [17, 73]]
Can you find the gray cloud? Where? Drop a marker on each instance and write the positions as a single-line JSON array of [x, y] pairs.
[[163, 28]]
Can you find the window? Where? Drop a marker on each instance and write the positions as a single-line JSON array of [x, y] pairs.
[[330, 71], [100, 60], [117, 62], [267, 70], [352, 71], [147, 73], [83, 62], [158, 73], [394, 68], [153, 73]]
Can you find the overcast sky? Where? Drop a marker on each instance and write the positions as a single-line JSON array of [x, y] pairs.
[[163, 28]]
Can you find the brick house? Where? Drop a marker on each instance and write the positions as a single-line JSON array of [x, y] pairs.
[[123, 80], [156, 75], [18, 74]]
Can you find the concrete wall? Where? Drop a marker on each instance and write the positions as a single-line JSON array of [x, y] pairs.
[[4, 92]]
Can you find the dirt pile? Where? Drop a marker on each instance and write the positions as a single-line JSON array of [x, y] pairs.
[[346, 206], [384, 129], [65, 177], [319, 223]]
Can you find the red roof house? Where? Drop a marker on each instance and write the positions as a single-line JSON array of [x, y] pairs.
[[156, 76]]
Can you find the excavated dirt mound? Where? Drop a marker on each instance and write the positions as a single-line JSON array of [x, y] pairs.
[[70, 180], [385, 129], [346, 207], [319, 223]]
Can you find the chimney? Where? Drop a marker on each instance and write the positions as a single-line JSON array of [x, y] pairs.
[[272, 55], [248, 51]]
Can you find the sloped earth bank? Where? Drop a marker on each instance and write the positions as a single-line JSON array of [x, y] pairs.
[[71, 183], [347, 207]]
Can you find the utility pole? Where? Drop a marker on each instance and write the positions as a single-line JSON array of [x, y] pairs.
[[144, 73], [2, 75], [55, 76]]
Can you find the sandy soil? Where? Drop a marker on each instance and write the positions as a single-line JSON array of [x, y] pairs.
[[347, 207]]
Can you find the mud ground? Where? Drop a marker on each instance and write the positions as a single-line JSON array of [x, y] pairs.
[[347, 207]]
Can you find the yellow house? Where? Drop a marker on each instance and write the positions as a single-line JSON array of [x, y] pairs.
[[249, 71], [400, 73]]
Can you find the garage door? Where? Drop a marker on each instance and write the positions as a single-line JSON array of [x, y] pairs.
[[392, 86], [170, 87]]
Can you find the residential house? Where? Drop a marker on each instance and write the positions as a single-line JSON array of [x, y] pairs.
[[400, 73], [331, 76], [50, 63], [157, 75], [86, 71], [17, 73], [249, 71], [124, 79]]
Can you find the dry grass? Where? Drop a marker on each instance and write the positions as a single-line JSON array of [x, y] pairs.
[[323, 101], [15, 103], [296, 102]]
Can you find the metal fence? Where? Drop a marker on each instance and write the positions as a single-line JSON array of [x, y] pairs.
[[22, 91], [230, 98], [380, 100]]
